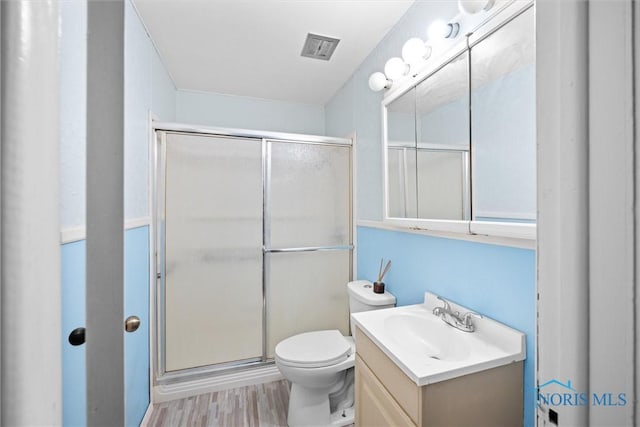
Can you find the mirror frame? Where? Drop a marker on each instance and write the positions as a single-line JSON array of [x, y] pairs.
[[484, 29]]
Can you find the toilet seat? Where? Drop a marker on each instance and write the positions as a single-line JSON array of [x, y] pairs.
[[313, 349]]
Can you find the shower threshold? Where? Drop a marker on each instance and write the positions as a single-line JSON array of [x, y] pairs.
[[201, 372], [206, 379]]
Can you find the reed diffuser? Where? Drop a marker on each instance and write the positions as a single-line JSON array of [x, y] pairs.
[[378, 285]]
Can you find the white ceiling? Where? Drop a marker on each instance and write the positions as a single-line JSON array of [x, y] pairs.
[[252, 47]]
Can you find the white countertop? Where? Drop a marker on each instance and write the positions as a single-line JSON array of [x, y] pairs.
[[428, 350]]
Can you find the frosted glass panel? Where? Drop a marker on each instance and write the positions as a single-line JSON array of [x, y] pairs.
[[441, 184], [306, 291], [310, 195], [401, 184], [395, 183], [213, 264]]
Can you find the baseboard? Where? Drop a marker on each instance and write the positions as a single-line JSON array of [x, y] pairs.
[[147, 416], [167, 392]]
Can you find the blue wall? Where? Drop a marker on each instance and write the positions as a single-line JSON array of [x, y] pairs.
[[219, 110], [74, 378], [136, 281], [136, 344], [496, 281]]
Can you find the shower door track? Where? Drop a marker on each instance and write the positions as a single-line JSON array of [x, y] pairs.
[[160, 129], [247, 133], [310, 249]]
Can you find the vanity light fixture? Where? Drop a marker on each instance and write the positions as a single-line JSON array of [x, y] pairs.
[[415, 51], [396, 68], [454, 30], [442, 30], [378, 81]]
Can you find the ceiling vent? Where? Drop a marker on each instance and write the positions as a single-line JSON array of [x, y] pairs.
[[319, 47]]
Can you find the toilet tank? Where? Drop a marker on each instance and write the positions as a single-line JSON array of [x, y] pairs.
[[362, 298]]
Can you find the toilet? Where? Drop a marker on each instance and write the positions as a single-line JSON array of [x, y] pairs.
[[319, 366]]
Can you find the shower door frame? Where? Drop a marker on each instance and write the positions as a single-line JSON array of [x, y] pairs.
[[159, 131]]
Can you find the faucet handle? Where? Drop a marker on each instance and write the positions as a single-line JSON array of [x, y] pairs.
[[446, 307], [466, 319]]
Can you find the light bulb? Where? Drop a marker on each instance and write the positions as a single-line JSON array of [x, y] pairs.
[[378, 81], [414, 51], [474, 6], [395, 68], [438, 30], [471, 6]]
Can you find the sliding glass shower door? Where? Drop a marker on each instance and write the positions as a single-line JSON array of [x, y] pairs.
[[255, 242], [308, 239], [213, 250]]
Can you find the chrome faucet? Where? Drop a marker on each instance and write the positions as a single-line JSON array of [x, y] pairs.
[[446, 309], [447, 315]]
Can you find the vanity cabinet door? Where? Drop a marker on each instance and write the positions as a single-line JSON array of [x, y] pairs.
[[403, 390], [376, 407]]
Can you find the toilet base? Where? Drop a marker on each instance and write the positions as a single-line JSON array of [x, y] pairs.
[[343, 417], [307, 407]]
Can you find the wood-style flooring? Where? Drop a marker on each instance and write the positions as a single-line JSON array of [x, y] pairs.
[[259, 405]]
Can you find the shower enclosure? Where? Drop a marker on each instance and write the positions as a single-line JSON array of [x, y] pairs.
[[254, 244]]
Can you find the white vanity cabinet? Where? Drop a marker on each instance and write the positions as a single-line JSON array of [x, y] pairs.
[[386, 396]]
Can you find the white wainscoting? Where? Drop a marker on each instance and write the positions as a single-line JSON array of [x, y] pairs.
[[75, 234]]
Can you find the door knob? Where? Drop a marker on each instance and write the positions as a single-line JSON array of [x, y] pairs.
[[77, 336], [132, 324]]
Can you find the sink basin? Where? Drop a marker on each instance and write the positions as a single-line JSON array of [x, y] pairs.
[[428, 350], [427, 335]]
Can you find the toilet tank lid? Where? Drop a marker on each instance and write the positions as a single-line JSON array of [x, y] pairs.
[[362, 290]]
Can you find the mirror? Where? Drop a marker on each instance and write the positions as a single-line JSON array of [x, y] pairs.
[[461, 144], [503, 123], [442, 135], [428, 147], [401, 157]]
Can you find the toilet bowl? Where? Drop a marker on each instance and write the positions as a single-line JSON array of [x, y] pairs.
[[316, 364], [319, 365]]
